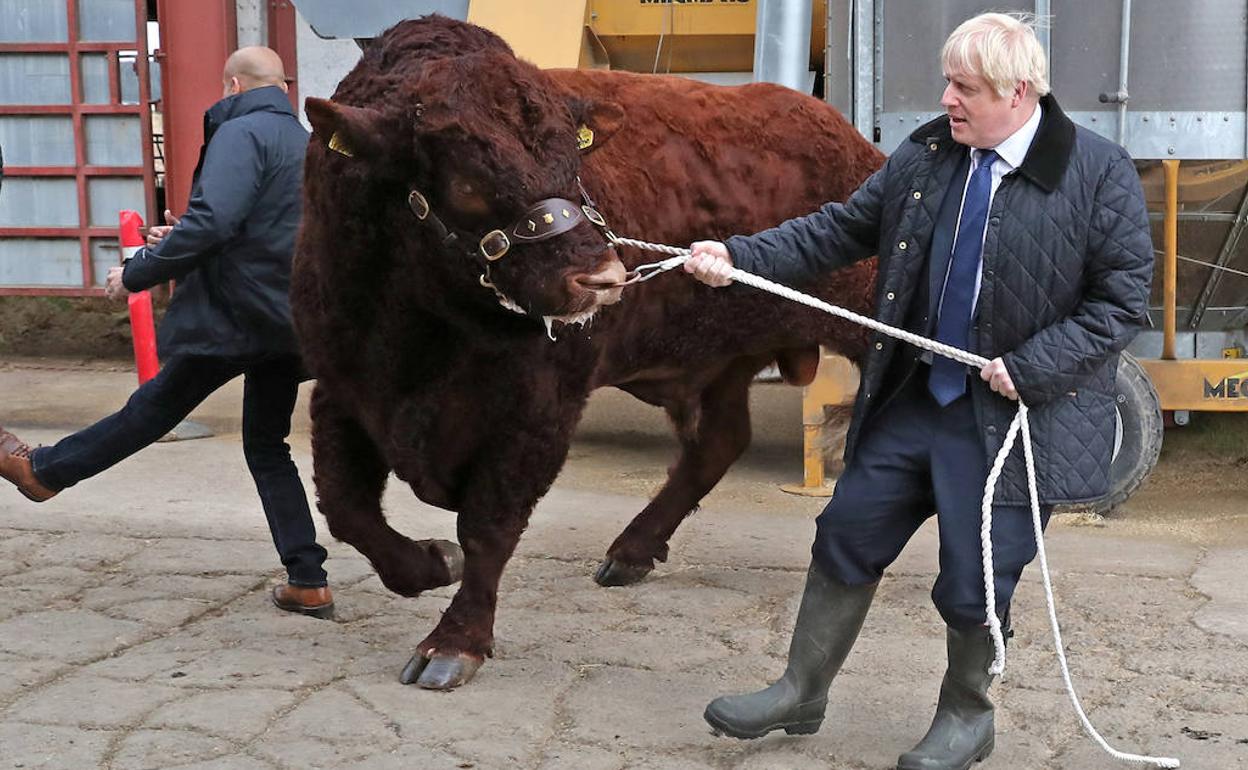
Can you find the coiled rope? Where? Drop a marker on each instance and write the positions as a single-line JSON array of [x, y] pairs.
[[1020, 424]]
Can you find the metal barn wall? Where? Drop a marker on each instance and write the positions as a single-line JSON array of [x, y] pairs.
[[76, 135], [1181, 66]]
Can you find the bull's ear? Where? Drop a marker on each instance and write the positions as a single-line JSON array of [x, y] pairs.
[[352, 131], [599, 121]]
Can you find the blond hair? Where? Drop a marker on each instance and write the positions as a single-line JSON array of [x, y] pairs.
[[1000, 47]]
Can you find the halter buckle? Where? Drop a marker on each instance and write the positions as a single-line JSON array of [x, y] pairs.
[[494, 245], [418, 204], [593, 215]]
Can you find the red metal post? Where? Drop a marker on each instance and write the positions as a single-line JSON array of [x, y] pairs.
[[283, 38], [195, 39]]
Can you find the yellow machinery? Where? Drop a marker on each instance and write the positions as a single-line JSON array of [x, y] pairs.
[[1192, 384], [635, 35]]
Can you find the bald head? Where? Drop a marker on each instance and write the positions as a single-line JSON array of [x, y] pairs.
[[253, 67]]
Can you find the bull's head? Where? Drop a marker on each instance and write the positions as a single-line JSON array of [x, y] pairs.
[[476, 158]]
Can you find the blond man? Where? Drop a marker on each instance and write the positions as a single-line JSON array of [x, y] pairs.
[[1002, 228]]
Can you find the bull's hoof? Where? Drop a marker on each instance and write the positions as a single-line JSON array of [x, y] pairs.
[[440, 672], [614, 573], [452, 556]]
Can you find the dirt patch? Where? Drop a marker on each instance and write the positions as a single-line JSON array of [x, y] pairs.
[[1196, 492], [83, 328]]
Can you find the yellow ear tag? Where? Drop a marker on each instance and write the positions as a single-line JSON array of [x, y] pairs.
[[584, 137], [339, 146]]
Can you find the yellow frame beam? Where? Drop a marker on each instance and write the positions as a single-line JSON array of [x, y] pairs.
[[1200, 384]]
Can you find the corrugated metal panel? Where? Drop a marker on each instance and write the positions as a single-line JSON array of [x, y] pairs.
[[367, 18], [113, 140], [106, 195], [34, 78], [94, 78], [106, 20], [37, 140], [153, 76], [105, 253], [39, 202], [33, 21], [911, 50], [130, 78], [40, 261]]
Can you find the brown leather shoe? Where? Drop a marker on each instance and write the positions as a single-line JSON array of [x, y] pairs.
[[317, 602], [15, 468]]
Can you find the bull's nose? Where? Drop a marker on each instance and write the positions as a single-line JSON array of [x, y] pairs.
[[608, 277]]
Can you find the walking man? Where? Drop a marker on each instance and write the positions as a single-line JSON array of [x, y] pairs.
[[1002, 228], [230, 254]]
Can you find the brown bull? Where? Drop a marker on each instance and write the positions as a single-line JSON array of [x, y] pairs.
[[427, 330]]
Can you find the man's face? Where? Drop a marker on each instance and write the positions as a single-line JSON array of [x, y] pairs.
[[978, 116]]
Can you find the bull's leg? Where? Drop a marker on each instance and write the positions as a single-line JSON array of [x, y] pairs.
[[350, 476], [457, 647], [498, 496], [712, 437]]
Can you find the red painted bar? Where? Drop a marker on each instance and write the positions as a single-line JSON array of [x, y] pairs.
[[73, 171], [283, 38], [92, 47], [114, 79], [48, 291], [69, 109], [57, 232], [80, 138]]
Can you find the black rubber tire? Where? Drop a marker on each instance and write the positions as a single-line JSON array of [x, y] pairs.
[[1138, 434]]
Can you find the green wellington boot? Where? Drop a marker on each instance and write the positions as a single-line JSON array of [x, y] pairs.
[[962, 731], [828, 622]]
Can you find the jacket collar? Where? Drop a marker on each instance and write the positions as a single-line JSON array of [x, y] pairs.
[[1050, 152], [263, 99]]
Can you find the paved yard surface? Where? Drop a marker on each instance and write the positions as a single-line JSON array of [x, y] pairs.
[[135, 630]]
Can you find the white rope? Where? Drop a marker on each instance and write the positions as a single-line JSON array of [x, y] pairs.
[[1019, 424]]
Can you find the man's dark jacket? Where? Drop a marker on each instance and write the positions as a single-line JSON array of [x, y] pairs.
[[231, 251], [1067, 263]]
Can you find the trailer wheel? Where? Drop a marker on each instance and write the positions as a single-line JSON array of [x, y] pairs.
[[1138, 434]]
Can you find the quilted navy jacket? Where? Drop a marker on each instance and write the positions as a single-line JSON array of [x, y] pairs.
[[1067, 263], [232, 249]]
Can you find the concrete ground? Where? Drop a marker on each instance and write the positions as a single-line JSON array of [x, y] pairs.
[[135, 630]]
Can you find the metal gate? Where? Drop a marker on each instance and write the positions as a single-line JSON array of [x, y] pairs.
[[75, 128]]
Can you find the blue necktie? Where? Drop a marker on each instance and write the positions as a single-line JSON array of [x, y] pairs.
[[947, 380]]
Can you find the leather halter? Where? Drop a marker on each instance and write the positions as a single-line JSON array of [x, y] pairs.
[[545, 219]]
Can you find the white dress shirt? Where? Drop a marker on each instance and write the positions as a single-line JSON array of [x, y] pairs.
[[1011, 152]]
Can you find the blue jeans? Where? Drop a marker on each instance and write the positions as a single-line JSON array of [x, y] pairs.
[[269, 392], [916, 460]]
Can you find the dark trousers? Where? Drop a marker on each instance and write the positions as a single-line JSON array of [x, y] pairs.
[[269, 394], [916, 459]]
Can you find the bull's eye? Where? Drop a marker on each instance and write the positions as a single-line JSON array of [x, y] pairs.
[[467, 197]]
